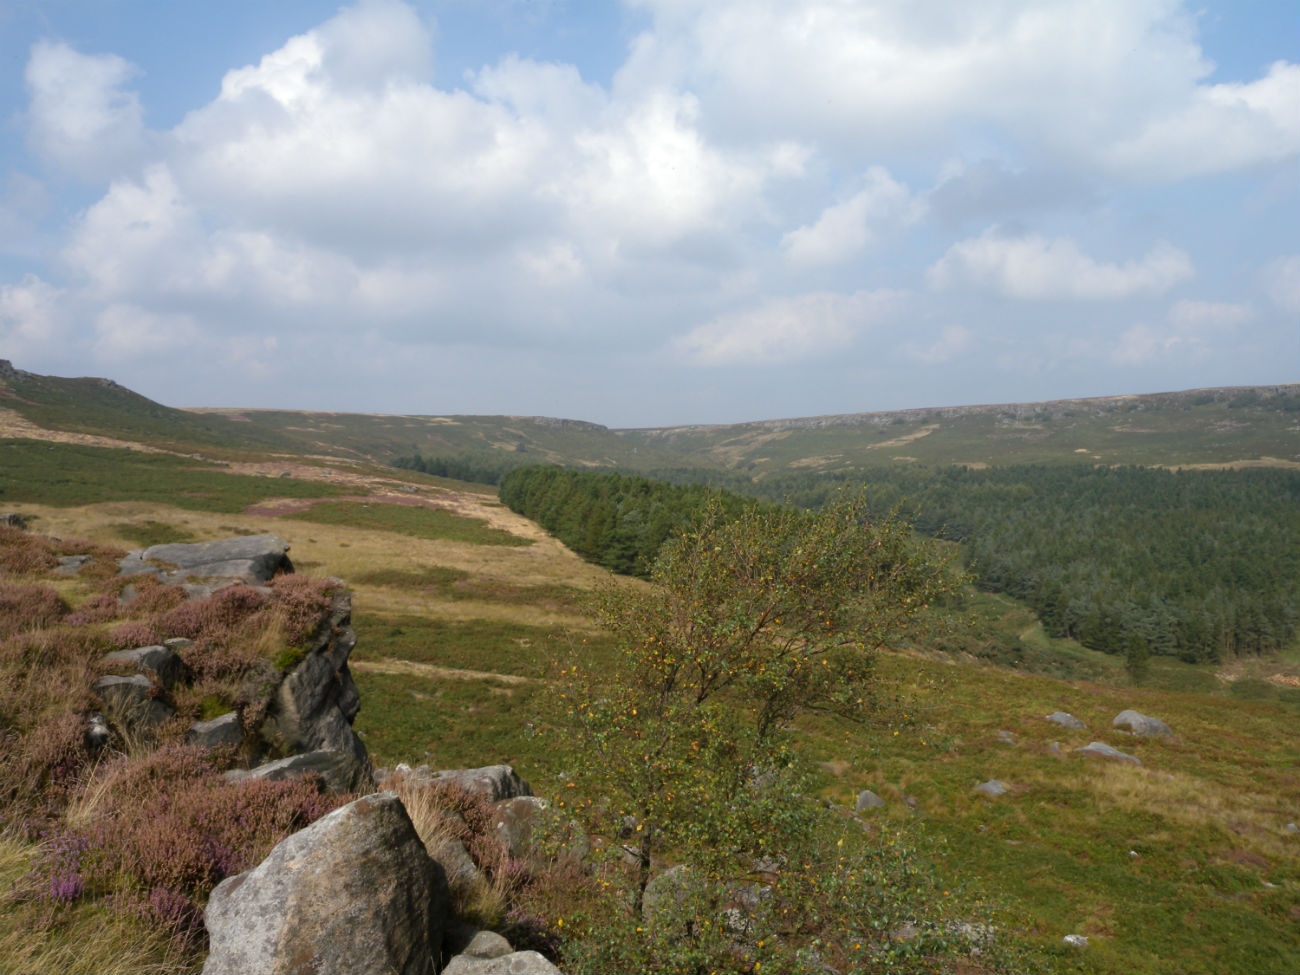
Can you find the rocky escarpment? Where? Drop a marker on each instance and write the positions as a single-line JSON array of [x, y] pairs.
[[295, 719]]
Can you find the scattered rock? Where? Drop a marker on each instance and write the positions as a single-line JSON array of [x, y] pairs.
[[340, 771], [158, 662], [221, 732], [70, 565], [130, 702], [868, 800], [1006, 737], [1076, 940], [12, 519], [993, 787], [1102, 750], [1055, 748], [353, 892], [461, 869], [913, 803], [1066, 720], [97, 733], [1140, 724], [1292, 828]]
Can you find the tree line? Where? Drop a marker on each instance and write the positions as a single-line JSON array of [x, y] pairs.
[[1195, 564]]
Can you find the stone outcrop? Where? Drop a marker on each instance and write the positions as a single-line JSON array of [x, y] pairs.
[[158, 662], [313, 707], [1140, 724], [131, 703], [339, 771], [353, 892], [254, 559], [223, 731]]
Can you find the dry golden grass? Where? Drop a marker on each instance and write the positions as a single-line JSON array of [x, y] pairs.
[[389, 665], [78, 938]]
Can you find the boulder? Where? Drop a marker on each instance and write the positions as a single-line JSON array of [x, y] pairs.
[[97, 733], [992, 788], [158, 662], [130, 702], [12, 519], [221, 732], [868, 800], [340, 771], [667, 891], [495, 782], [1102, 750], [1139, 724], [353, 892], [515, 963], [1006, 737], [1066, 720], [252, 558], [516, 821], [1076, 940]]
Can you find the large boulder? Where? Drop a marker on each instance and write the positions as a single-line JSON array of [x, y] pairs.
[[353, 892], [1139, 724], [223, 731], [524, 823], [514, 963], [252, 558]]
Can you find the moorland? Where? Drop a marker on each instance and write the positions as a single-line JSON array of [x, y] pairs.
[[1130, 552]]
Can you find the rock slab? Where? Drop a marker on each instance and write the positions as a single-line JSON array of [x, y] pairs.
[[1101, 750], [252, 558], [353, 892]]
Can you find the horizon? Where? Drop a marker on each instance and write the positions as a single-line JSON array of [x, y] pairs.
[[652, 214]]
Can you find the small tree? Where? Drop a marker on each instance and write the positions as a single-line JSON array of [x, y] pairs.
[[750, 622]]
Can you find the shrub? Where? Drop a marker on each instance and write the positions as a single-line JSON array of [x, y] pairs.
[[98, 609], [24, 554], [28, 607]]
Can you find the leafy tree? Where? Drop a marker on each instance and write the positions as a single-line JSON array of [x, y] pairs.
[[751, 621]]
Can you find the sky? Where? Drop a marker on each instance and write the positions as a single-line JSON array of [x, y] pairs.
[[651, 213]]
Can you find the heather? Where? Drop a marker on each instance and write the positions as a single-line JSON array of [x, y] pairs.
[[133, 835]]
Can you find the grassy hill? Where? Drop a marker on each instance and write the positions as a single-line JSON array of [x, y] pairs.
[[463, 608]]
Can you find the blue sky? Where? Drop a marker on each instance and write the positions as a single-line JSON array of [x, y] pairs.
[[650, 213]]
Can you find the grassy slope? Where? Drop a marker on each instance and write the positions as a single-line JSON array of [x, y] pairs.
[[1167, 429], [456, 639]]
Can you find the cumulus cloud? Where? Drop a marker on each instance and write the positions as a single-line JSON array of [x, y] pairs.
[[1205, 315], [1035, 267], [127, 332], [1116, 83], [846, 228], [785, 329], [81, 117]]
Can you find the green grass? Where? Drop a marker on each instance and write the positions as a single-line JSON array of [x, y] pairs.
[[69, 475], [458, 584], [150, 532], [416, 521]]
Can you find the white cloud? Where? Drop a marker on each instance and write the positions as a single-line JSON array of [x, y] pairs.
[[1192, 331], [1118, 84], [953, 341], [33, 319], [846, 228], [80, 117], [1219, 128], [1281, 281], [1035, 267], [785, 329]]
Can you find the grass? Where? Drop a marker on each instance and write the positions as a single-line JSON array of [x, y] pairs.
[[67, 475], [413, 521]]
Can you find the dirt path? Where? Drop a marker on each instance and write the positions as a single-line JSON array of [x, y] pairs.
[[390, 665]]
